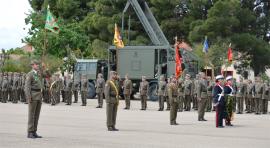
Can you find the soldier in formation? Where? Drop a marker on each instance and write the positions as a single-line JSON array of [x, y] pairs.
[[161, 92], [127, 90], [84, 90], [202, 96], [100, 85], [75, 90], [68, 90], [144, 88], [173, 95], [187, 93]]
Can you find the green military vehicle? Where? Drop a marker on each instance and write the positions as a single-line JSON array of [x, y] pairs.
[[150, 61], [90, 68]]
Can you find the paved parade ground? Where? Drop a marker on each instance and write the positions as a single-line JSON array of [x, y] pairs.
[[75, 126]]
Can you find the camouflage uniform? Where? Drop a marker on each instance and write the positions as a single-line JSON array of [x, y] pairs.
[[84, 90], [5, 86], [68, 90], [75, 91], [10, 85]]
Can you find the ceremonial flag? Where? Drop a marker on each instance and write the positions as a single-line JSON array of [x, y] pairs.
[[51, 22], [117, 38], [230, 54], [178, 62], [205, 45]]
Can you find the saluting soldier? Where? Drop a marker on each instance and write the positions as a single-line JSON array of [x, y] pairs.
[[173, 95], [202, 96], [258, 94], [100, 85], [68, 90], [33, 88], [84, 89], [127, 86], [187, 92], [112, 100], [161, 92], [219, 101], [144, 88], [240, 94]]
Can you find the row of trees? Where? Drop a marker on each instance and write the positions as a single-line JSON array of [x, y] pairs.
[[87, 27]]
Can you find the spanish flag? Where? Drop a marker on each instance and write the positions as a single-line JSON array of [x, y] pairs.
[[178, 62], [117, 38]]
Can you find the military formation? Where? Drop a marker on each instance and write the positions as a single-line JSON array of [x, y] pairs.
[[202, 94]]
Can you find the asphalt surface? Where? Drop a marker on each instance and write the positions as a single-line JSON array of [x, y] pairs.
[[85, 127]]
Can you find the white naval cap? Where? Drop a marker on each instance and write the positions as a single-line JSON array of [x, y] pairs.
[[219, 77], [228, 78]]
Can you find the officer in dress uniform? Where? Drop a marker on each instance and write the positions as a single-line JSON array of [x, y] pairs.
[[229, 96], [219, 101], [112, 100], [33, 92]]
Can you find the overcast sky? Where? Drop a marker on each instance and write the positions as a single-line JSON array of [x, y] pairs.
[[12, 14]]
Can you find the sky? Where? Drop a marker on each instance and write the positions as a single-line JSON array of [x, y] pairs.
[[12, 24]]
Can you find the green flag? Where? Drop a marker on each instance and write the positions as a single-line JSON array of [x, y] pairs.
[[51, 22]]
